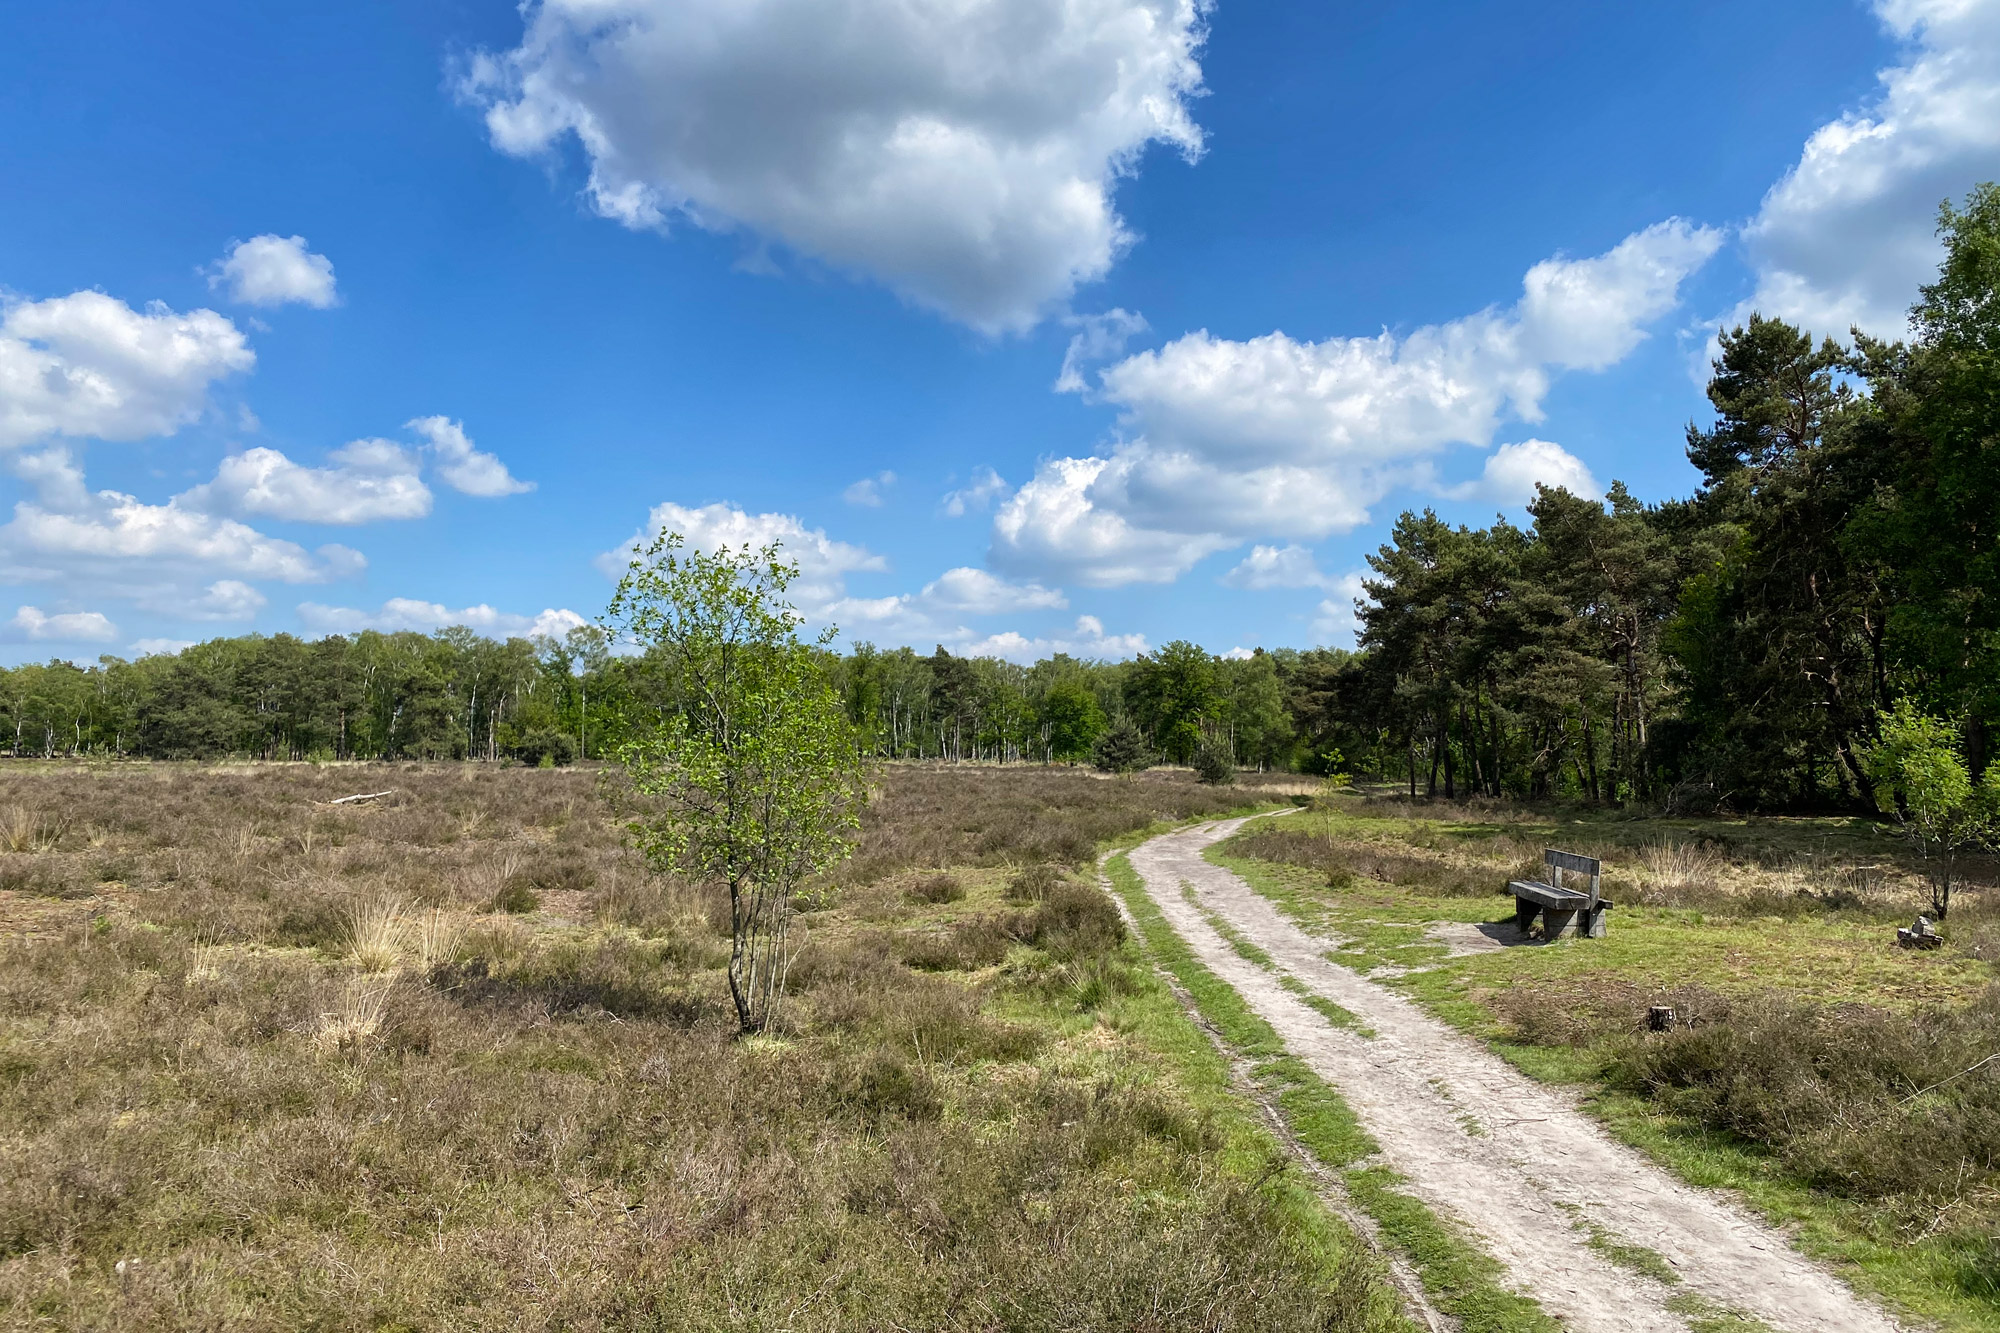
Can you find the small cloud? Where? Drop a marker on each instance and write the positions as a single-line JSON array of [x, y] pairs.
[[985, 488], [407, 613], [1277, 567], [227, 599], [463, 468], [150, 647], [1239, 654], [868, 491], [1514, 470], [1098, 338], [1336, 622], [272, 270], [31, 624]]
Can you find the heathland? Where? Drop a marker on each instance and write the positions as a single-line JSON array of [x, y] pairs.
[[454, 1058]]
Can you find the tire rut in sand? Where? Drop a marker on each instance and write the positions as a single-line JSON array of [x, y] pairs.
[[1512, 1161]]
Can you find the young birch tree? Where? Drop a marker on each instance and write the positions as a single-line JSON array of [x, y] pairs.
[[746, 749], [1922, 778]]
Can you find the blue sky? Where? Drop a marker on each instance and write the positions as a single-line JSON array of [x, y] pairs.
[[1026, 325]]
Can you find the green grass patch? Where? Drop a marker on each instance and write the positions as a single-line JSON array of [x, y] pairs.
[[1563, 1013]]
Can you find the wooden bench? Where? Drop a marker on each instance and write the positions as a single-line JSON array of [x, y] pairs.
[[1563, 911]]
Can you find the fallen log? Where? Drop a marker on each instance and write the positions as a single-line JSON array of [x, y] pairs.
[[363, 796]]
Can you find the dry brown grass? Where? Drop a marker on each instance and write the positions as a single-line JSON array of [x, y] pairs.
[[213, 1116], [932, 816]]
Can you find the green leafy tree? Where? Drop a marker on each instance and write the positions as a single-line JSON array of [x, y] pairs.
[[1942, 810], [1071, 719], [749, 753]]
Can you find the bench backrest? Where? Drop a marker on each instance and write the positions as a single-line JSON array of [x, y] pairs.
[[1581, 865]]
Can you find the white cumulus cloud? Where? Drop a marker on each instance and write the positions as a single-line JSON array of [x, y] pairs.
[[405, 613], [148, 647], [823, 562], [225, 599], [462, 467], [1848, 235], [1224, 441], [89, 366], [1514, 470], [963, 152], [273, 270], [112, 542], [368, 480], [31, 624], [1086, 639]]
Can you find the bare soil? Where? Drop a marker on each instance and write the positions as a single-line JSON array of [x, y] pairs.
[[1515, 1162]]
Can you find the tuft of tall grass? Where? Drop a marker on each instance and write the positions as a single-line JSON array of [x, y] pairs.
[[24, 830], [1681, 872], [438, 936], [377, 933], [356, 1022]]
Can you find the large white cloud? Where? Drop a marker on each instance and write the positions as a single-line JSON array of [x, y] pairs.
[[462, 467], [405, 613], [964, 152], [1224, 441], [272, 270], [114, 543], [88, 365], [1849, 234], [32, 625], [369, 480]]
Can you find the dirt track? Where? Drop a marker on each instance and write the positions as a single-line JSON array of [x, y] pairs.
[[1512, 1160]]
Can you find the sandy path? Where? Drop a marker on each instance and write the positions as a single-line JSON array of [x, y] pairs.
[[1529, 1166]]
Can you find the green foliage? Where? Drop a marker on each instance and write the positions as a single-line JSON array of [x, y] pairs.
[[1923, 778], [1213, 765], [1123, 749], [1172, 693], [748, 753]]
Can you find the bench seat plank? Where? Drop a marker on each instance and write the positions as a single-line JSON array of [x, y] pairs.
[[1548, 895]]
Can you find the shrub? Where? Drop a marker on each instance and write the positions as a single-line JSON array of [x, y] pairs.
[[542, 747], [1033, 883], [516, 895], [1214, 765], [965, 947], [1122, 749], [935, 889], [1075, 921]]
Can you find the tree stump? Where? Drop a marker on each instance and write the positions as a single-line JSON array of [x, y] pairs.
[[1660, 1018], [1921, 935]]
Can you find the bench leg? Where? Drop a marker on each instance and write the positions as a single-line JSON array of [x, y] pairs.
[[1594, 929], [1524, 913], [1557, 923]]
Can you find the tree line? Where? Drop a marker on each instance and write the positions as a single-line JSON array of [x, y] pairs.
[[1741, 646], [1738, 647]]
